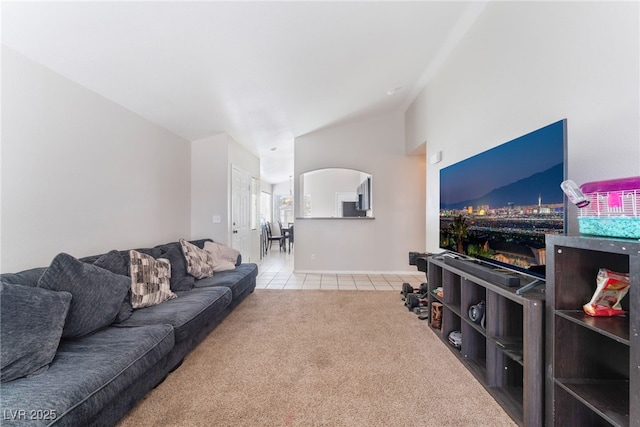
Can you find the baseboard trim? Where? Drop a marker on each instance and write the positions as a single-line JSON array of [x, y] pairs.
[[356, 272]]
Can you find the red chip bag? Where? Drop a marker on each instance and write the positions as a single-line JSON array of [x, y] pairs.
[[611, 288]]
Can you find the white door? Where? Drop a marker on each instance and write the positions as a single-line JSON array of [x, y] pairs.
[[241, 213]]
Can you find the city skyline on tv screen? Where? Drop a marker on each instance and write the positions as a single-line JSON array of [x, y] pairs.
[[503, 165], [509, 197]]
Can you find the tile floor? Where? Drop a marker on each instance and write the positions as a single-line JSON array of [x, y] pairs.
[[275, 271]]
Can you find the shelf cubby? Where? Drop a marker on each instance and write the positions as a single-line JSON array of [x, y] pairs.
[[505, 353], [593, 363]]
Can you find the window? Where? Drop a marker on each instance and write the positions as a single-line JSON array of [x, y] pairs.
[[265, 207], [284, 209]]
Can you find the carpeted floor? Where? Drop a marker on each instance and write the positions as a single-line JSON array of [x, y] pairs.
[[320, 358]]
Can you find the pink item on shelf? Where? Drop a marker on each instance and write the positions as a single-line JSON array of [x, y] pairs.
[[614, 200], [613, 208]]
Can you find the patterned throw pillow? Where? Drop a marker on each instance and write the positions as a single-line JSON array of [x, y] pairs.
[[149, 280], [199, 262]]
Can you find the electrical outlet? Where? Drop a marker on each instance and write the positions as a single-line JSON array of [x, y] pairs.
[[313, 257]]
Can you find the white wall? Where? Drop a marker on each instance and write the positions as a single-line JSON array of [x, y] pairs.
[[416, 124], [266, 187], [212, 160], [376, 145], [243, 159], [524, 65], [210, 172], [81, 174], [282, 188]]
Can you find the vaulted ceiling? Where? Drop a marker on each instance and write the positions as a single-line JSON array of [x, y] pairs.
[[263, 72]]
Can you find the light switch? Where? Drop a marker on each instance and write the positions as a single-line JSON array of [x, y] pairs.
[[435, 157], [217, 219]]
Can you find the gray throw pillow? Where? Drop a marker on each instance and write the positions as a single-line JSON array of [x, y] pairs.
[[180, 280], [31, 322], [97, 293], [113, 262]]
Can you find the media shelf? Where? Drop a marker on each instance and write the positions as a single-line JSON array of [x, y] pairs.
[[506, 351], [593, 363]]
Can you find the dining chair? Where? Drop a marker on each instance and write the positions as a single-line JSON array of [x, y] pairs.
[[263, 239], [286, 235], [290, 236], [271, 238]]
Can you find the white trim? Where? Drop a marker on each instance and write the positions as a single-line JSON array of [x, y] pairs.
[[355, 272]]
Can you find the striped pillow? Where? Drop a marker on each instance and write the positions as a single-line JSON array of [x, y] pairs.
[[149, 280]]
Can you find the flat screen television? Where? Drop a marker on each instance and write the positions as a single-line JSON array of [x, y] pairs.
[[498, 205]]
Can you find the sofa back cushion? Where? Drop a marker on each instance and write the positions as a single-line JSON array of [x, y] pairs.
[[97, 293], [31, 324], [114, 262], [25, 278], [180, 280]]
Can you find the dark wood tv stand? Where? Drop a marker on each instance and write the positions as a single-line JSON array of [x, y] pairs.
[[507, 354]]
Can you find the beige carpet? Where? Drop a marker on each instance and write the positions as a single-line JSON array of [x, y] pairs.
[[320, 358]]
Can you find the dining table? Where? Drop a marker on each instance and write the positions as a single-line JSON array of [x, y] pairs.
[[287, 237]]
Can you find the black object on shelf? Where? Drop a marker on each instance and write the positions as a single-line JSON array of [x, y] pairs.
[[413, 257], [484, 271]]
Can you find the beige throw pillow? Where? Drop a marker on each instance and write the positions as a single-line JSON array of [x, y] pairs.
[[199, 262], [223, 257], [149, 280]]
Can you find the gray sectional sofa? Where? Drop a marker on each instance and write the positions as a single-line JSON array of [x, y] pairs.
[[107, 355]]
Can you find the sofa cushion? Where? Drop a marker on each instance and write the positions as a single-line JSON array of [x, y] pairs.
[[199, 263], [31, 322], [180, 280], [186, 314], [154, 252], [149, 280], [114, 262], [88, 373], [240, 280], [26, 278], [97, 293]]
